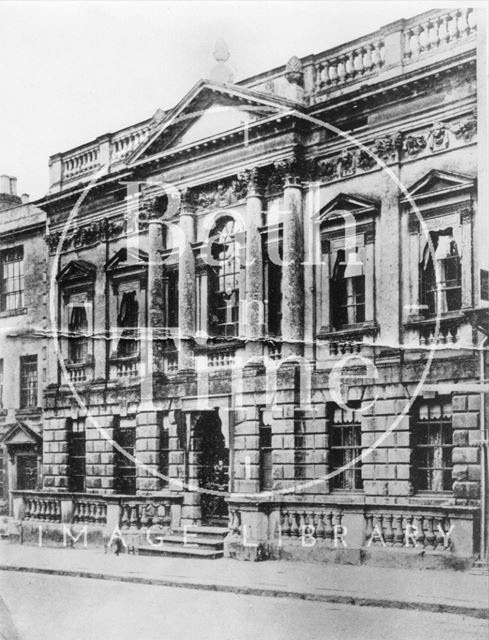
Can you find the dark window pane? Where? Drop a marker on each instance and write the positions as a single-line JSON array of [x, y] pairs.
[[432, 455], [28, 382], [265, 443], [125, 468], [12, 279], [345, 435]]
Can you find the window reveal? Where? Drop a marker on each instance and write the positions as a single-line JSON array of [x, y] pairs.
[[347, 290], [345, 438], [12, 279], [440, 275], [432, 445], [224, 280], [128, 321], [78, 331], [28, 382]]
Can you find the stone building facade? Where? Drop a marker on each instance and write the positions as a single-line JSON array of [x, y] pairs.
[[269, 305], [23, 343]]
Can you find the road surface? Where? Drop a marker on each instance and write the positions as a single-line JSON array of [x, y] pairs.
[[47, 607]]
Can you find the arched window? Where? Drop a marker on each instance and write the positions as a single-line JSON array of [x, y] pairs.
[[347, 290], [224, 280], [440, 275]]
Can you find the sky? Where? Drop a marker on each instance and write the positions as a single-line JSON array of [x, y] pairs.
[[70, 71]]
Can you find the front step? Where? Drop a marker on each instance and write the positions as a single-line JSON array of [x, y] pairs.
[[180, 552], [191, 542], [202, 530]]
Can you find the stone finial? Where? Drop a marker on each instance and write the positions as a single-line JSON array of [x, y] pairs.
[[293, 71], [158, 116], [221, 72], [294, 74], [221, 51]]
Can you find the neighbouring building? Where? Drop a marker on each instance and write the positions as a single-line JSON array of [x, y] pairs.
[[258, 286], [23, 323]]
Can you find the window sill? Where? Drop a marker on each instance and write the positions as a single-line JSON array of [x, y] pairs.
[[353, 330], [13, 312], [114, 359], [420, 321], [217, 344], [28, 411], [79, 365], [433, 495]]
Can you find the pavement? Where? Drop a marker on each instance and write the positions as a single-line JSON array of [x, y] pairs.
[[465, 593]]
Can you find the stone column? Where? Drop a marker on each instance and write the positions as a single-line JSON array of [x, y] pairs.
[[186, 291], [254, 313], [466, 260], [410, 275], [101, 346], [151, 336], [369, 270], [323, 287], [147, 450], [292, 273], [387, 259]]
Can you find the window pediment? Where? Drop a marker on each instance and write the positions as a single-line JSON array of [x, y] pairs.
[[20, 434], [77, 271], [437, 183], [127, 261], [339, 211]]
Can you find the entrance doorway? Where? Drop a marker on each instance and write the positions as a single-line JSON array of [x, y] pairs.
[[26, 472], [212, 461]]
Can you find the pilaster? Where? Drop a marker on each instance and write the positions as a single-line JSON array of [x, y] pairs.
[[186, 287], [254, 314], [293, 257]]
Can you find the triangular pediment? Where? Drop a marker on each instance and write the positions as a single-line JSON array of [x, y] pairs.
[[77, 270], [356, 205], [435, 181], [217, 119], [21, 433], [127, 257], [208, 111]]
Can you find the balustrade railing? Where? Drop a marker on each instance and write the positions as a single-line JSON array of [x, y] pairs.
[[317, 523], [130, 513], [350, 65], [407, 530], [337, 348], [412, 526], [449, 334], [88, 511], [124, 143], [127, 369], [84, 161], [78, 374], [141, 513], [42, 508], [221, 359], [438, 31]]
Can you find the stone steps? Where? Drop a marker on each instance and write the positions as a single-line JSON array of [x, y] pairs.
[[180, 552], [193, 542]]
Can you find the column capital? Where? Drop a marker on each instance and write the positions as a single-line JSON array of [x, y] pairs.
[[152, 208], [254, 179], [292, 170], [187, 202]]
